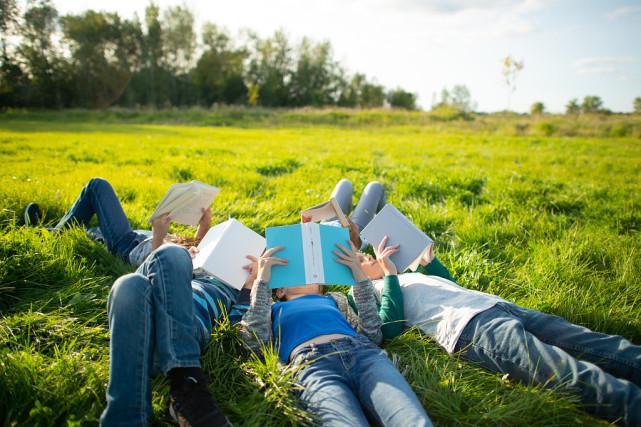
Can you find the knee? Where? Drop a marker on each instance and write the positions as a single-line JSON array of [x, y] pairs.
[[98, 183], [174, 255], [128, 291], [374, 187], [345, 183]]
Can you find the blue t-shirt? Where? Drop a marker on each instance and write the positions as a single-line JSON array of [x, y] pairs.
[[304, 318]]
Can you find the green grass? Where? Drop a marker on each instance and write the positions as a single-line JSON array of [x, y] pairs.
[[549, 222]]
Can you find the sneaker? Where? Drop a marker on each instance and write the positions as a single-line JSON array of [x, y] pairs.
[[32, 215], [190, 403]]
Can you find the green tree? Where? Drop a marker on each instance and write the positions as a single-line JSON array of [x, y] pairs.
[[316, 79], [13, 81], [637, 105], [511, 70], [50, 74], [572, 107], [178, 38], [400, 98], [271, 68], [459, 98], [592, 104], [218, 75], [537, 109], [104, 50]]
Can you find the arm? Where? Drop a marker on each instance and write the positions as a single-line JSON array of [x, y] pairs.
[[203, 225], [392, 312], [435, 268], [256, 324], [369, 321], [159, 228]]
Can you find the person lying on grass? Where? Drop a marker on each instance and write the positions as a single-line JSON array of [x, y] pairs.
[[346, 378], [602, 371], [160, 320], [133, 246], [371, 201]]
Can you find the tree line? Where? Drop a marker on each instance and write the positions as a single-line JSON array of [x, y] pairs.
[[99, 59]]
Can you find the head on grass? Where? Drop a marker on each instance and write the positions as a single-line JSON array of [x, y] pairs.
[[293, 292]]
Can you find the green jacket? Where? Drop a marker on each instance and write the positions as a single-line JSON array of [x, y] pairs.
[[390, 303]]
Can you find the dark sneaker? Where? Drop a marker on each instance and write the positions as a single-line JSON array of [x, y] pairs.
[[32, 215], [190, 403]]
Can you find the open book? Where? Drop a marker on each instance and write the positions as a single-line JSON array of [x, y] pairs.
[[223, 249], [184, 202], [308, 248], [324, 211], [392, 223]]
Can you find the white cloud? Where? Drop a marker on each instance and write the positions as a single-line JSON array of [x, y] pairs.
[[623, 12], [603, 65]]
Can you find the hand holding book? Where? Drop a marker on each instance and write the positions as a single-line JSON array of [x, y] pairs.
[[383, 256]]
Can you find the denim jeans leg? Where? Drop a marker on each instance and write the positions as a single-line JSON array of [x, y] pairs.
[[130, 348], [98, 197], [372, 199], [326, 391], [614, 354], [169, 270], [498, 341], [343, 193], [383, 390]]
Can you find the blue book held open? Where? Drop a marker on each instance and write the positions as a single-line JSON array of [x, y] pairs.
[[308, 248]]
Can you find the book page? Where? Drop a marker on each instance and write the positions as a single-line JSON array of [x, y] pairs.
[[325, 211], [392, 223], [334, 273], [292, 274], [224, 254]]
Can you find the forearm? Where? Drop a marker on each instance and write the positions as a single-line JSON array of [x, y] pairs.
[[200, 232], [256, 324], [369, 321], [391, 311], [435, 268]]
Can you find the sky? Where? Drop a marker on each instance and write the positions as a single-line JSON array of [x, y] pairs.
[[570, 48]]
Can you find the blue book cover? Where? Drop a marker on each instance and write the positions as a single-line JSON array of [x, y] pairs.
[[308, 248]]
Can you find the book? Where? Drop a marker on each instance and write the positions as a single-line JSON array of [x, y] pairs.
[[308, 248], [222, 252], [392, 223], [325, 211], [184, 202]]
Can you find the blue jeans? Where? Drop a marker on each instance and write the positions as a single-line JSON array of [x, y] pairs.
[[603, 371], [350, 380], [152, 327], [98, 197]]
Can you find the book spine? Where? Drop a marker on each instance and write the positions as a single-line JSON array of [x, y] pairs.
[[312, 253]]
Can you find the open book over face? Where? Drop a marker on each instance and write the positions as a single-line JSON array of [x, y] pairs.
[[184, 202], [392, 223], [326, 211], [308, 248], [222, 252]]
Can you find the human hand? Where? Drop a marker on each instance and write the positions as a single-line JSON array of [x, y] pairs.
[[427, 256], [193, 251], [252, 269], [350, 258], [160, 225], [383, 254], [267, 261], [304, 219]]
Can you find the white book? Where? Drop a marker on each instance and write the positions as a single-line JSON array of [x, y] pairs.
[[222, 252], [324, 211], [184, 202], [392, 223]]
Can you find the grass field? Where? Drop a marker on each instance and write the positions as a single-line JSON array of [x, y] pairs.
[[549, 222]]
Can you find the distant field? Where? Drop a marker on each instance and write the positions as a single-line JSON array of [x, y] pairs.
[[518, 208]]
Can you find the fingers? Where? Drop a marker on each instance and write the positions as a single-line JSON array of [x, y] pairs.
[[305, 219], [251, 258], [345, 250], [381, 246], [342, 256], [278, 261], [269, 252]]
